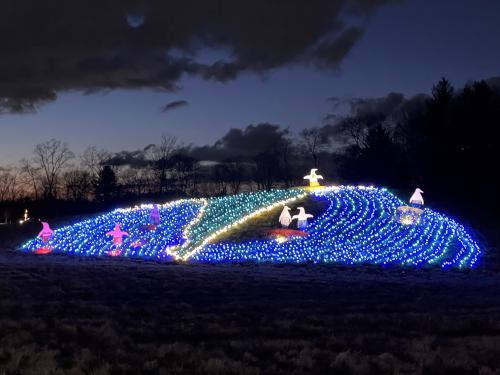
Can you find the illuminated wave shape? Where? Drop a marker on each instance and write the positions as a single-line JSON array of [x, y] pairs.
[[358, 227], [89, 237]]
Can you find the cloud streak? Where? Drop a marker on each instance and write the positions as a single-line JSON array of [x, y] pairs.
[[174, 105]]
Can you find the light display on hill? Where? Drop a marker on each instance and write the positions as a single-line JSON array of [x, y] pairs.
[[359, 226]]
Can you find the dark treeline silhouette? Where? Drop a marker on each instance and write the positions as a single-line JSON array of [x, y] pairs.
[[445, 143]]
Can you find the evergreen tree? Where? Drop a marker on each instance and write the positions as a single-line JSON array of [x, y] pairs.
[[105, 186]]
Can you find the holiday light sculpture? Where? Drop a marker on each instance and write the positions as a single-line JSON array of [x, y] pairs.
[[45, 234], [25, 217], [411, 215], [417, 198], [285, 218], [154, 217], [284, 234], [301, 218], [313, 178], [407, 215], [118, 235], [357, 227]]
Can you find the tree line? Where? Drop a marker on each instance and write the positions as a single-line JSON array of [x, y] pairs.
[[445, 143]]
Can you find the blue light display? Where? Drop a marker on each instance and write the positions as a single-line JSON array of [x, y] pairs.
[[358, 227]]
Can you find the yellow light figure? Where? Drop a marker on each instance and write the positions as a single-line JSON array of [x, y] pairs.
[[313, 178]]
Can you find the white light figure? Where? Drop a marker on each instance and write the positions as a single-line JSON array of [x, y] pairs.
[[313, 178], [416, 199], [301, 218], [46, 232], [118, 235], [26, 216], [154, 216], [285, 217]]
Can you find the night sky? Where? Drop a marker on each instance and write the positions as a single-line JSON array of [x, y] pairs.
[[56, 85]]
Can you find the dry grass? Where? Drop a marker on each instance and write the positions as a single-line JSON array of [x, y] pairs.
[[73, 315]]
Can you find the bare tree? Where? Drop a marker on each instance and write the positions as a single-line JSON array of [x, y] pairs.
[[219, 176], [313, 142], [235, 171], [8, 184], [93, 159], [135, 181], [184, 169], [78, 184], [50, 158], [32, 176], [161, 155]]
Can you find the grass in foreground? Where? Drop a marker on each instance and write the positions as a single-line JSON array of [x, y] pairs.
[[74, 315]]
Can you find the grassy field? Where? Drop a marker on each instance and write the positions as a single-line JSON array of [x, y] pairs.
[[75, 315]]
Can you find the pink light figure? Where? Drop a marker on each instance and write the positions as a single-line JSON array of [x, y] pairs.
[[154, 216], [117, 234], [46, 232]]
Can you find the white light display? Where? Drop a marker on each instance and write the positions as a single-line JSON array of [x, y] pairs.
[[417, 198], [285, 218], [301, 218], [313, 178]]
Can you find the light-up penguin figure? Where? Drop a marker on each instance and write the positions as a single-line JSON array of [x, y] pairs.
[[154, 216], [416, 199], [118, 235], [313, 178], [301, 218], [46, 233], [285, 218], [412, 214]]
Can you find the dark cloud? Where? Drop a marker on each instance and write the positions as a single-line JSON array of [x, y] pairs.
[[247, 142], [92, 45], [389, 106], [390, 110], [383, 106], [173, 105], [132, 159]]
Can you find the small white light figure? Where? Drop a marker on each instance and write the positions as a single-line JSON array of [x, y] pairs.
[[313, 178], [46, 232], [416, 199], [26, 216], [301, 218], [154, 216], [118, 235], [285, 217]]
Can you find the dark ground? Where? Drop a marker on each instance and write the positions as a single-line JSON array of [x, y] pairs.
[[73, 315]]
